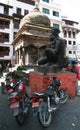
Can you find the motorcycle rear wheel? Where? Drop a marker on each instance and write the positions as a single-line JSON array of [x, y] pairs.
[[44, 115], [20, 118], [63, 96]]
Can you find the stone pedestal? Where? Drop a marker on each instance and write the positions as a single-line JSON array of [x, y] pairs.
[[39, 83], [48, 69]]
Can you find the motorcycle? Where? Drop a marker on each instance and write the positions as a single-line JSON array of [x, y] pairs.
[[42, 103], [18, 99], [20, 102], [10, 81], [52, 97]]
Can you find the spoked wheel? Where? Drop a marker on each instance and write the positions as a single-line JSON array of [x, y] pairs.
[[20, 118], [44, 115], [63, 96]]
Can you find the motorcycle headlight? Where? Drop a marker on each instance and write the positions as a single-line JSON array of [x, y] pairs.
[[11, 84]]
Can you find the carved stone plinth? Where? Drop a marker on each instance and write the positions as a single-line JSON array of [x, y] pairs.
[[49, 69]]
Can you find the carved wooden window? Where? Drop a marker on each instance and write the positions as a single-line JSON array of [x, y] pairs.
[[19, 11], [69, 34], [16, 24], [26, 12], [6, 10], [65, 33], [4, 51], [4, 24], [74, 35]]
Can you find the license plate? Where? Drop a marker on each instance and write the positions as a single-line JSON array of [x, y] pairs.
[[14, 105], [35, 104], [11, 90]]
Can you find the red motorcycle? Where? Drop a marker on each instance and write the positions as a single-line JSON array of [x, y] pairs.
[[10, 81], [20, 101]]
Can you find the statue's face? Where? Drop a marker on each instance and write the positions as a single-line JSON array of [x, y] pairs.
[[52, 36]]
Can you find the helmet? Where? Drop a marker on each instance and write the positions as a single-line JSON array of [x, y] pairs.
[[56, 82]]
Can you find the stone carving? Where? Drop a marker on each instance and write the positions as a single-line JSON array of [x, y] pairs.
[[55, 51]]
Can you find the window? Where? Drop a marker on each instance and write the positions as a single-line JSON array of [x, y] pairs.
[[16, 24], [56, 25], [26, 12], [74, 43], [31, 2], [46, 1], [6, 37], [69, 22], [69, 42], [4, 24], [74, 52], [73, 34], [46, 11], [6, 10], [18, 11], [65, 34], [1, 37], [15, 34], [55, 13], [69, 34], [70, 52], [4, 49]]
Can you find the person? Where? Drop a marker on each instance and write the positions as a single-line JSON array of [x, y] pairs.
[[0, 67], [78, 70], [74, 67], [55, 51]]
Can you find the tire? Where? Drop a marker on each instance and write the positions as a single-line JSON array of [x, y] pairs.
[[44, 115], [63, 96], [20, 118]]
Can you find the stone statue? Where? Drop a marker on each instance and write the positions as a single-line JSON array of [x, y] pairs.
[[55, 51]]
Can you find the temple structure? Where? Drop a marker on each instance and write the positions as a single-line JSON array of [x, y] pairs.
[[31, 38]]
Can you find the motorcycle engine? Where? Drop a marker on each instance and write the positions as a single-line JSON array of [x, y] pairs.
[[56, 98]]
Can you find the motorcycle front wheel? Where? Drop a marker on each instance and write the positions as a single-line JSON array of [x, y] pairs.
[[63, 96], [20, 118], [44, 115]]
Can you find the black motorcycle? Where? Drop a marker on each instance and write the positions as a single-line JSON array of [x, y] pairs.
[[52, 98]]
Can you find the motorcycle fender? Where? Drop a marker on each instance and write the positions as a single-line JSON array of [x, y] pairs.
[[15, 111]]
